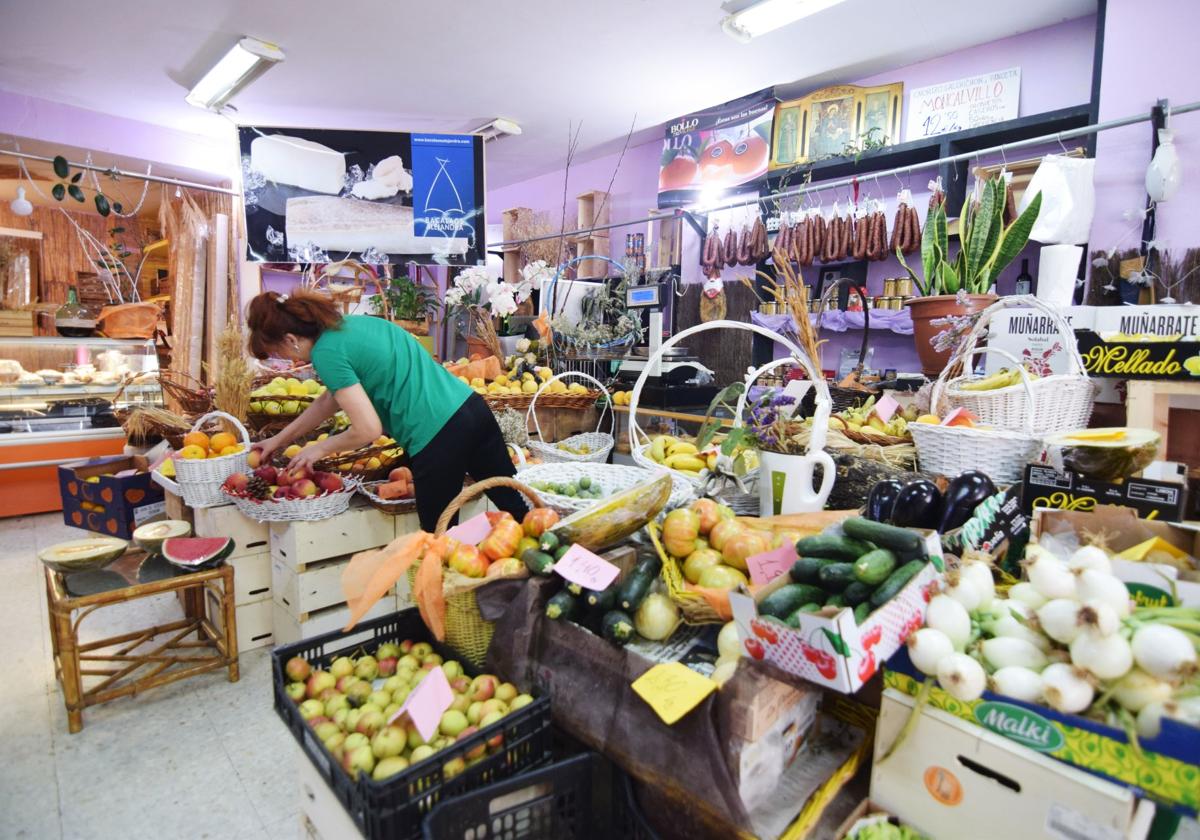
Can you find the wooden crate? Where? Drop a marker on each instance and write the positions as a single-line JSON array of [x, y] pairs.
[[255, 625], [592, 209], [299, 544], [509, 218], [249, 536], [308, 590], [176, 509], [17, 323], [289, 629], [251, 577], [323, 816]]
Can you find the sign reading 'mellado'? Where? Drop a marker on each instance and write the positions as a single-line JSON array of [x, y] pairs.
[[1139, 360]]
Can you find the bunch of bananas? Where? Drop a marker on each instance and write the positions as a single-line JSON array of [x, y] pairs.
[[864, 420], [676, 454], [1000, 379]]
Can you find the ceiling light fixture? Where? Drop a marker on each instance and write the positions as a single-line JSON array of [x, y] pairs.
[[497, 128], [20, 205], [248, 60], [766, 16]]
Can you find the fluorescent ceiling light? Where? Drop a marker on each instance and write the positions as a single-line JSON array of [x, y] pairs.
[[768, 15], [248, 60], [499, 127]]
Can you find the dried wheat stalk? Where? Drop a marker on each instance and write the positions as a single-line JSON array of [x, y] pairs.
[[795, 295], [234, 375]]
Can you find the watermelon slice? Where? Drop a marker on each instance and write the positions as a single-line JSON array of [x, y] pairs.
[[196, 552]]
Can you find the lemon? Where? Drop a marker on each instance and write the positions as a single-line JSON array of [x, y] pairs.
[[544, 373], [931, 419], [529, 386], [290, 407], [271, 407], [313, 387], [168, 468], [477, 382], [500, 380]]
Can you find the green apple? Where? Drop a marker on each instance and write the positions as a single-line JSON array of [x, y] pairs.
[[389, 742], [520, 701], [453, 722], [389, 766], [420, 753], [343, 666], [358, 760]]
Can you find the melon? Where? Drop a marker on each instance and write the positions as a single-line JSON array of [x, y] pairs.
[[196, 552], [80, 555], [605, 524], [149, 537], [1104, 454]]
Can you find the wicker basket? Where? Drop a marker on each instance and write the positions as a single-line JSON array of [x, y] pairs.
[[260, 420], [613, 478], [1063, 400], [999, 453], [395, 507], [200, 480], [387, 462], [499, 402], [192, 396], [310, 509], [599, 443]]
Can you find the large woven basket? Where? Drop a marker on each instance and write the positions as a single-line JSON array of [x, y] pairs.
[[999, 453], [310, 509], [466, 631], [1064, 400], [612, 478], [200, 480], [599, 443]]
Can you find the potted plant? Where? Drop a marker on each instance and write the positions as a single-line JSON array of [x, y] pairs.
[[408, 304], [953, 288]]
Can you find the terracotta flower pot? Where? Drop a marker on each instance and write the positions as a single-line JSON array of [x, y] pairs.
[[925, 310]]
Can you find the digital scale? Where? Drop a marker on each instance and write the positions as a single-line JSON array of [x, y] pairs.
[[676, 367]]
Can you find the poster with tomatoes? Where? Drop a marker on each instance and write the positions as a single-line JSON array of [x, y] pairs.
[[712, 153]]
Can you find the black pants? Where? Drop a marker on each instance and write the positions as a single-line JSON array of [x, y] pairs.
[[469, 444]]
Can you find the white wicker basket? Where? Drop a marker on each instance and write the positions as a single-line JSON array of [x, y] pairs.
[[999, 453], [1064, 399], [599, 443], [200, 480], [308, 509], [613, 478]]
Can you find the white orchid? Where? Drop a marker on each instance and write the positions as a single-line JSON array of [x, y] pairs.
[[536, 273], [454, 296]]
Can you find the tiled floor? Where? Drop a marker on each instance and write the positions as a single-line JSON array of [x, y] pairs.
[[201, 758]]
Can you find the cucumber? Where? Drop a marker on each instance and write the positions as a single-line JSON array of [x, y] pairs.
[[861, 612], [831, 547], [787, 599], [882, 535], [895, 582], [838, 601], [793, 620], [805, 569], [575, 589], [601, 599], [836, 576], [549, 543], [637, 583], [560, 551], [857, 593], [561, 606], [874, 566], [538, 562], [617, 627]]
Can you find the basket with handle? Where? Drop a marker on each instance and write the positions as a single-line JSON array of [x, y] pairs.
[[999, 453], [466, 630], [1063, 400], [598, 443], [563, 344], [611, 478], [200, 480], [310, 509], [191, 395]]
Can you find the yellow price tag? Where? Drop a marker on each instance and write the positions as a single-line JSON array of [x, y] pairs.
[[673, 690]]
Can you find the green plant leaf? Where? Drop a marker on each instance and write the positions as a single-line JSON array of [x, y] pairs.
[[709, 427], [103, 209], [950, 281], [75, 193], [61, 168], [928, 244], [1014, 240], [58, 191], [921, 287], [976, 229], [733, 440]]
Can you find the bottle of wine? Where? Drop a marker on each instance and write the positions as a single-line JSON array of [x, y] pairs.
[[1024, 279]]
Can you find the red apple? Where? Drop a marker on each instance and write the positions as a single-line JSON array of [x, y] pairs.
[[283, 491], [496, 741], [460, 685], [254, 458], [406, 646], [387, 666], [483, 687], [477, 751], [465, 559], [268, 474], [330, 483], [236, 483], [297, 669], [304, 487], [299, 474], [318, 681]]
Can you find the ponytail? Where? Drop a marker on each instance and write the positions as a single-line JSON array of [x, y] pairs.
[[271, 316]]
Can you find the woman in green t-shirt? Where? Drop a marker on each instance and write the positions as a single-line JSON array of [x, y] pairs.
[[386, 383]]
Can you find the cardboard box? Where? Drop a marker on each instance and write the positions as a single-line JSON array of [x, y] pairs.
[[832, 650], [1030, 335], [950, 779], [1044, 487], [111, 505]]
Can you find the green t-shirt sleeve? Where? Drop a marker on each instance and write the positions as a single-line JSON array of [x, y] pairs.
[[333, 367]]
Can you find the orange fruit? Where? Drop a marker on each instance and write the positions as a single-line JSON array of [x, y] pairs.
[[193, 453], [232, 450], [197, 439], [221, 441]]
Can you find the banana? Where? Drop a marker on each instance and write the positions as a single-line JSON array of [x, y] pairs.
[[682, 448], [712, 460], [1000, 379], [876, 423], [658, 449], [685, 462]]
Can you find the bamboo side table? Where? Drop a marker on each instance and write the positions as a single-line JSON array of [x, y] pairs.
[[136, 663]]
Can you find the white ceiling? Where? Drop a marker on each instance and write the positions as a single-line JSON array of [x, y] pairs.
[[451, 66]]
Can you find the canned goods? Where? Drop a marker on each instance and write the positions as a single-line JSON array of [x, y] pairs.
[[889, 287], [903, 287], [880, 302], [895, 303]]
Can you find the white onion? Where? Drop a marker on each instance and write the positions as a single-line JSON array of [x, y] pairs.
[[1027, 594], [1137, 689], [728, 643], [1105, 657], [1066, 688], [962, 677], [1005, 651], [1149, 719], [1093, 585], [950, 617], [1011, 627], [1018, 683], [927, 647], [1090, 557], [979, 574], [1059, 620], [1017, 609], [1049, 575], [1097, 617], [963, 591], [1164, 652]]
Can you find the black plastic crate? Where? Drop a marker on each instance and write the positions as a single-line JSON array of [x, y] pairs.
[[394, 808]]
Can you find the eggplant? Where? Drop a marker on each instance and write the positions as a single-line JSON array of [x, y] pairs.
[[963, 495], [882, 499], [918, 505]]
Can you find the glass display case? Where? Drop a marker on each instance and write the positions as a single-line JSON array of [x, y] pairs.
[[67, 388]]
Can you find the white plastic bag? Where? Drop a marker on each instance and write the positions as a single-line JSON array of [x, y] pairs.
[[1068, 200]]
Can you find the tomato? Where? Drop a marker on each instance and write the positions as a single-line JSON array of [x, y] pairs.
[[723, 531], [744, 545], [680, 530], [754, 648], [709, 514], [539, 520], [504, 539]]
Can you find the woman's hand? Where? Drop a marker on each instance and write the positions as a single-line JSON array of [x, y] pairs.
[[308, 456], [270, 446]]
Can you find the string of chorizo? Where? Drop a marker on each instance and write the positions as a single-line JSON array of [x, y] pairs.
[[731, 246]]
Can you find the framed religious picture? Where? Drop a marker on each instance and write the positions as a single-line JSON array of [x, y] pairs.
[[879, 114], [835, 121]]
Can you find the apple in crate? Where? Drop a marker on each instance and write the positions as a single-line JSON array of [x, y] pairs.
[[297, 669], [483, 687], [296, 691]]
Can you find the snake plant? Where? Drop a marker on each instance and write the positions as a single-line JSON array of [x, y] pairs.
[[986, 245]]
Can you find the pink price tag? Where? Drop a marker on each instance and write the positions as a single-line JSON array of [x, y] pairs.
[[949, 419], [769, 565], [473, 531], [886, 407], [588, 570], [427, 702]]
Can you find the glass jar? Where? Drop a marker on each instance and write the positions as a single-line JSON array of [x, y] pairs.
[[73, 319]]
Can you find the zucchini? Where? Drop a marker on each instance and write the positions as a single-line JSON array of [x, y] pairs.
[[549, 543], [560, 551], [601, 599], [793, 620], [561, 606], [831, 547], [874, 566], [805, 569], [836, 576], [617, 627], [861, 612], [787, 599], [538, 562], [575, 589], [857, 593], [883, 535], [895, 582], [637, 583], [838, 600]]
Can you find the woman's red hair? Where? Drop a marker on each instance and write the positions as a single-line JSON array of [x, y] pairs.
[[271, 316]]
